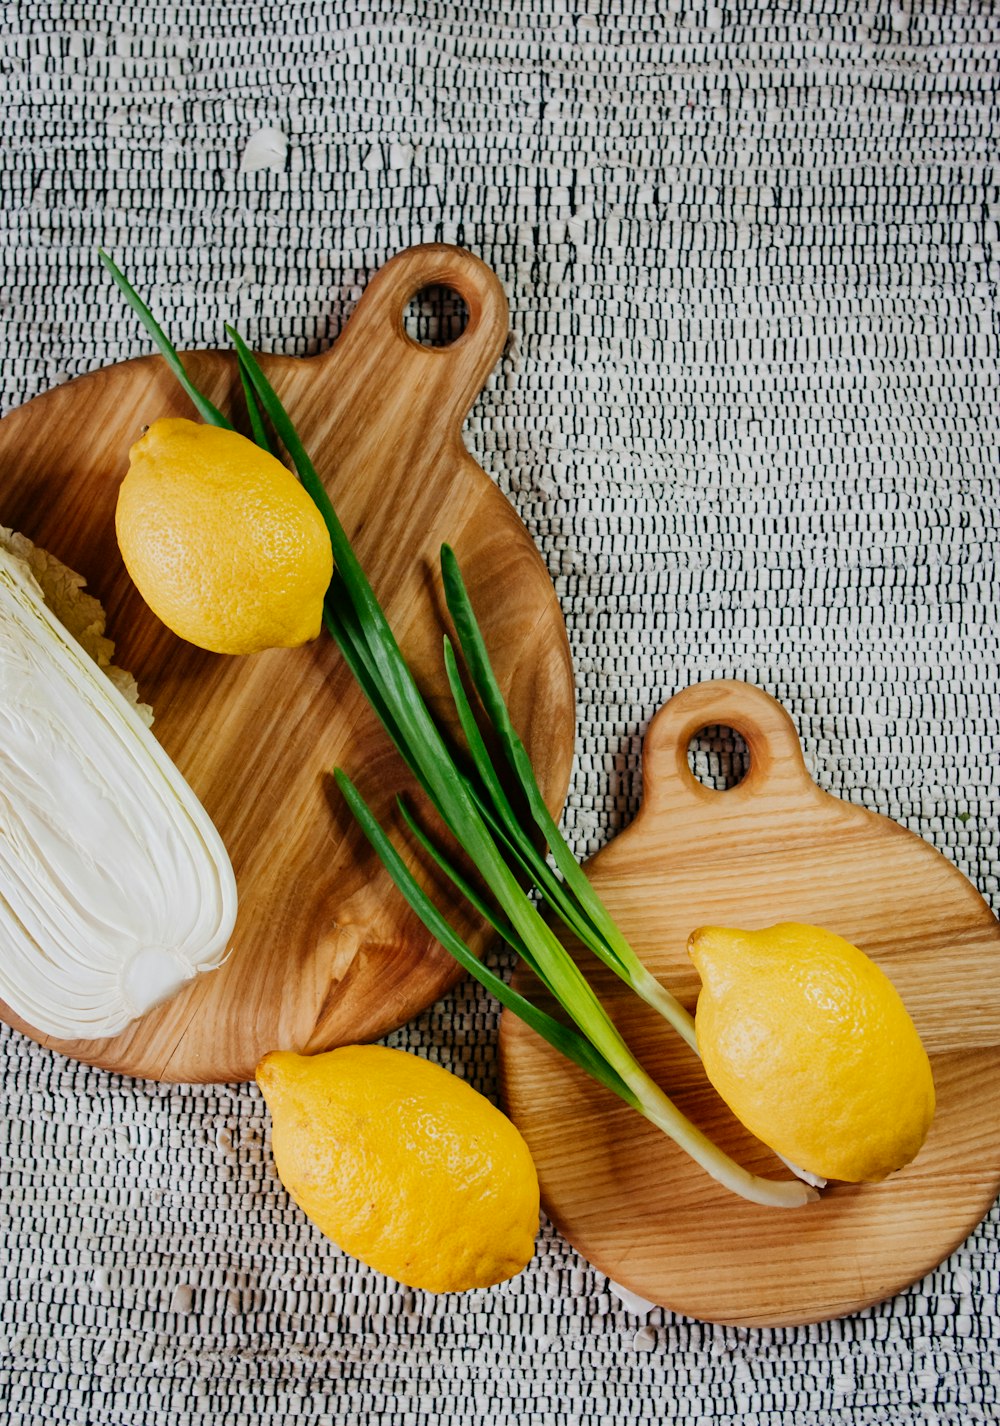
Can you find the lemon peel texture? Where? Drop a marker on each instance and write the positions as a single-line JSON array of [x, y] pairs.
[[403, 1165], [810, 1045], [222, 541]]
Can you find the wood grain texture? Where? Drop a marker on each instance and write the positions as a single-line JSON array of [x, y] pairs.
[[774, 848], [325, 951]]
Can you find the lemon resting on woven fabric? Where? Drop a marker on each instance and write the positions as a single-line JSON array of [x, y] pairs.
[[810, 1045], [403, 1165], [222, 541]]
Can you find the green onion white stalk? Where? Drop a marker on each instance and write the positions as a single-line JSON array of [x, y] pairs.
[[479, 814]]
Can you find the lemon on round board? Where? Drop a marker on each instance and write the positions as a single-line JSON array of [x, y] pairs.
[[403, 1165], [810, 1045], [222, 541]]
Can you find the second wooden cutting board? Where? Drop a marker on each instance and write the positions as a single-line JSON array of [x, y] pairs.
[[774, 848], [325, 951]]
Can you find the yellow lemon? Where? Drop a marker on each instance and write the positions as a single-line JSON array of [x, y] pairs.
[[403, 1165], [809, 1044], [221, 540]]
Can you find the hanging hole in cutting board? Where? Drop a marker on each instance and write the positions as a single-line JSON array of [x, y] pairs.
[[435, 316], [718, 757]]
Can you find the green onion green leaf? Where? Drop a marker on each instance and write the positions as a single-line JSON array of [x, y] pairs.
[[209, 413]]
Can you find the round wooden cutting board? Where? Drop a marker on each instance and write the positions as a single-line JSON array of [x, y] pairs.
[[774, 848], [325, 951]]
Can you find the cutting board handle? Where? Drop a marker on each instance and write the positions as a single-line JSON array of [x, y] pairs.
[[777, 768], [445, 380]]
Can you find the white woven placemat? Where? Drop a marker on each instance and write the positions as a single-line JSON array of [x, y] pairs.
[[749, 413]]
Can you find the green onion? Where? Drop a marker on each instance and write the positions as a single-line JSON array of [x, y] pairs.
[[257, 427], [209, 413], [478, 813], [594, 927]]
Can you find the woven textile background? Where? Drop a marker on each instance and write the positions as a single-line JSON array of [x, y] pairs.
[[749, 412]]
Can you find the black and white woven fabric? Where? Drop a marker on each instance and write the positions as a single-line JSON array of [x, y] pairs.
[[749, 412]]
